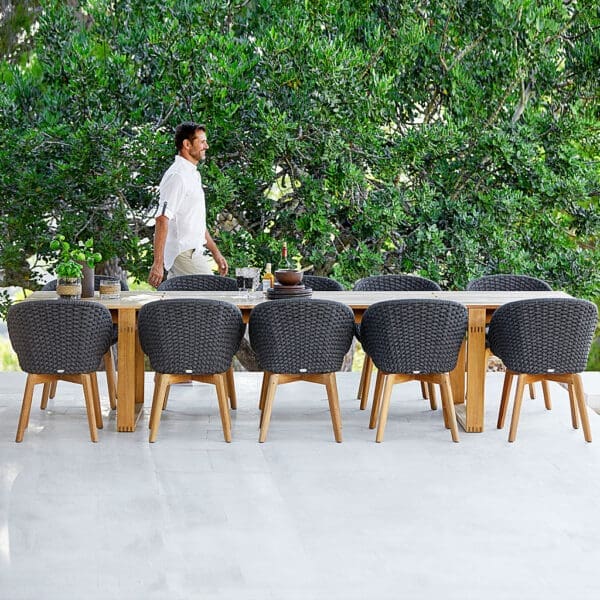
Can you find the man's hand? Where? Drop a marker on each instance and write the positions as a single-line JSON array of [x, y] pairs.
[[157, 273], [221, 263]]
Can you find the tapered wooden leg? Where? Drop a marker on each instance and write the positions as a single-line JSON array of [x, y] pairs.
[[368, 369], [111, 378], [221, 384], [334, 406], [546, 391], [432, 396], [53, 389], [573, 404], [88, 392], [514, 423], [268, 406], [231, 389], [447, 402], [532, 391], [160, 381], [508, 377], [25, 408], [580, 397], [385, 405], [45, 395], [96, 399], [376, 400], [154, 395], [263, 391], [424, 390]]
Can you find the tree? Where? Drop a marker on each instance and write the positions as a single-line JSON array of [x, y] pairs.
[[450, 138]]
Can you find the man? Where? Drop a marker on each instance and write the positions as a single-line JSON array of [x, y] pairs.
[[180, 233]]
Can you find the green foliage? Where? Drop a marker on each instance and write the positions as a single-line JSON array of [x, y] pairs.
[[448, 138], [71, 259]]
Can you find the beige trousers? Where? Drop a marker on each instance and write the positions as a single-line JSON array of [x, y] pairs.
[[190, 262]]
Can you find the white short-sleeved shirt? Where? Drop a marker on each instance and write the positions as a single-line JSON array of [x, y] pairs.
[[182, 202]]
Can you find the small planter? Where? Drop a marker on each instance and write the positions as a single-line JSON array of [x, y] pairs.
[[69, 288]]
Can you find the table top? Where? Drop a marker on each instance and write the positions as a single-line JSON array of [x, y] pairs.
[[356, 300]]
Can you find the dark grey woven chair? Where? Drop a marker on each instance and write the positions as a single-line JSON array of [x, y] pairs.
[[413, 340], [322, 284], [300, 340], [60, 340], [513, 283], [508, 283], [109, 358], [544, 340], [190, 339], [391, 283], [203, 283]]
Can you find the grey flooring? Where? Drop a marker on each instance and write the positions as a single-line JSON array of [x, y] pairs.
[[299, 517]]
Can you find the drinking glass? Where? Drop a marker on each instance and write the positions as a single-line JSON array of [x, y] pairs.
[[240, 277], [110, 289]]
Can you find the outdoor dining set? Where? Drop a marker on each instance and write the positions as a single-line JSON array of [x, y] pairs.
[[192, 326]]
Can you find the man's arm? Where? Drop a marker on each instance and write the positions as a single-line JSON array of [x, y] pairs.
[[216, 254], [157, 272]]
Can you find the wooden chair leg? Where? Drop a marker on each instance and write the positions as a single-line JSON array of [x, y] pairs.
[[546, 392], [385, 405], [514, 423], [268, 406], [96, 399], [432, 396], [231, 389], [160, 381], [25, 408], [508, 377], [111, 378], [368, 369], [53, 389], [583, 414], [221, 384], [573, 405], [263, 391], [376, 400], [334, 406], [448, 404], [154, 399], [88, 393], [424, 390], [532, 391], [45, 395]]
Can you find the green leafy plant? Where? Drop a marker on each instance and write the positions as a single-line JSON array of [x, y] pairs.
[[71, 259]]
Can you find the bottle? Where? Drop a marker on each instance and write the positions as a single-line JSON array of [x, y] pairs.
[[285, 261], [268, 279]]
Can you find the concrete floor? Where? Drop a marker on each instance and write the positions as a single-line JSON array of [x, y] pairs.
[[299, 517]]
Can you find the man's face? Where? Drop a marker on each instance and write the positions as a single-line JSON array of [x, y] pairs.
[[198, 145]]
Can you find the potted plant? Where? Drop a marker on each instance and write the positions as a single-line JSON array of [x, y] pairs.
[[75, 263]]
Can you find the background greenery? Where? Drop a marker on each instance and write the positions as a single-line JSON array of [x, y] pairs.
[[448, 138]]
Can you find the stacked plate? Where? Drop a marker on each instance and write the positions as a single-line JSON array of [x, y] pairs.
[[289, 291]]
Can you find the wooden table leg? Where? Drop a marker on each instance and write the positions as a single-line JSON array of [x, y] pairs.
[[470, 415], [457, 376], [130, 378]]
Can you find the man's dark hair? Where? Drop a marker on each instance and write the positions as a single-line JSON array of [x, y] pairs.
[[186, 131]]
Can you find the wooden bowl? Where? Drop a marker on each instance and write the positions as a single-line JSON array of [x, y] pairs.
[[289, 276]]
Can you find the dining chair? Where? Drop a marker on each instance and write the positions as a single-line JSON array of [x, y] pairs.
[[204, 283], [544, 340], [322, 284], [190, 339], [60, 340], [391, 283], [413, 340], [300, 340], [199, 283], [109, 358], [513, 283]]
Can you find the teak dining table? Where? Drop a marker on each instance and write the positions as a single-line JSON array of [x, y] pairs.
[[467, 379]]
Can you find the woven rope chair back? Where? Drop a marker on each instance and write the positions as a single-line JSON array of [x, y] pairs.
[[551, 335], [301, 335], [50, 286], [59, 336], [408, 336], [508, 283], [322, 284], [396, 283], [190, 335], [199, 283]]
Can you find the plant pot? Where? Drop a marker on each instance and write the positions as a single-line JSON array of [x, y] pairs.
[[87, 283], [69, 288]]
